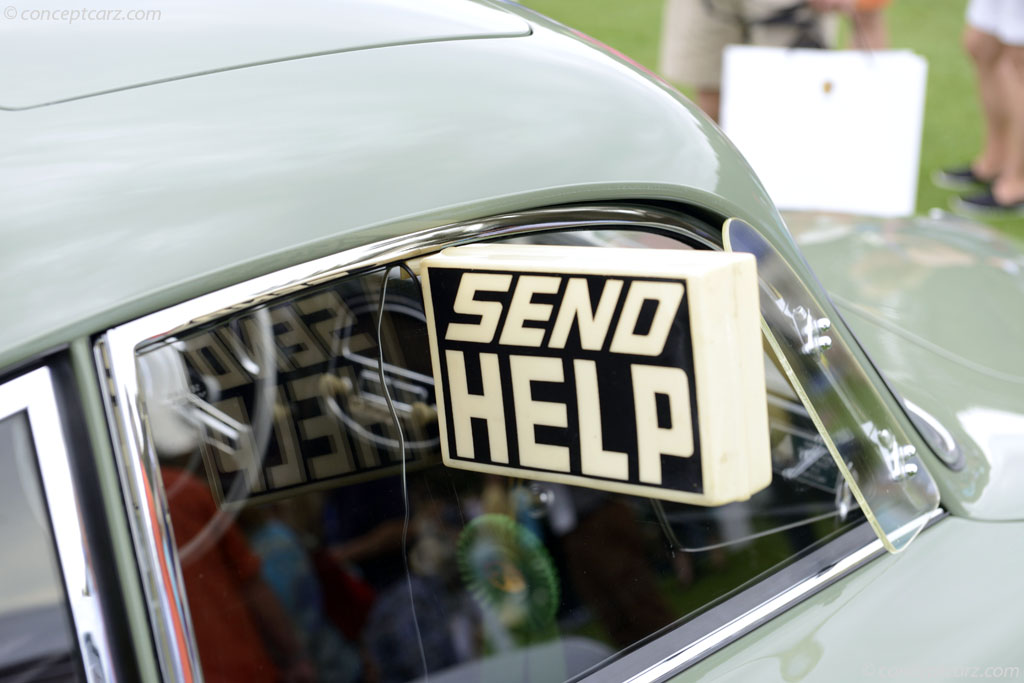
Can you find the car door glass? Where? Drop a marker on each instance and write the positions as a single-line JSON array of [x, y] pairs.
[[292, 505], [37, 641]]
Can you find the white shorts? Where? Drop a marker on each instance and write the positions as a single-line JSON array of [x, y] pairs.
[[1003, 19]]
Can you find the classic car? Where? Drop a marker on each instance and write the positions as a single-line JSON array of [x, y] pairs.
[[389, 340]]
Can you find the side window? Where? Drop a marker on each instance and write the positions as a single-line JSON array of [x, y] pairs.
[[37, 640], [319, 535]]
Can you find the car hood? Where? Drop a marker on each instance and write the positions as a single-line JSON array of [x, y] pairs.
[[937, 302], [64, 54]]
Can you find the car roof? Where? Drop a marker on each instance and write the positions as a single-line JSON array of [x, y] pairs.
[[69, 53], [122, 204]]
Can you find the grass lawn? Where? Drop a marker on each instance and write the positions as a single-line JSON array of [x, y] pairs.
[[952, 125]]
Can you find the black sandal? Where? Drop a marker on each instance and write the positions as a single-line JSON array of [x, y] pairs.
[[960, 178]]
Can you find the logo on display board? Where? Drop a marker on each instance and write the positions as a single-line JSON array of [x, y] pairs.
[[629, 370]]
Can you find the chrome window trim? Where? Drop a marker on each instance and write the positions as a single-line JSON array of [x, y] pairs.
[[33, 393], [115, 356]]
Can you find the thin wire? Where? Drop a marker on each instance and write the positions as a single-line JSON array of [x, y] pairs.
[[401, 454], [677, 545], [412, 276], [760, 534], [419, 287]]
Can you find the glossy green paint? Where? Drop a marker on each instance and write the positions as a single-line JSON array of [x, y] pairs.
[[936, 303], [118, 205], [127, 202], [79, 54], [943, 606]]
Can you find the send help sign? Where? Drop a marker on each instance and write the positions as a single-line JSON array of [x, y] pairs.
[[630, 370]]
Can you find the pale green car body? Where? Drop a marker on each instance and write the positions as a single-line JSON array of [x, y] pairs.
[[146, 165]]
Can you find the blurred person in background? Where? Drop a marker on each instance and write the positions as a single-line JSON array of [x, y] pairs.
[[243, 632], [994, 40], [695, 32], [867, 20]]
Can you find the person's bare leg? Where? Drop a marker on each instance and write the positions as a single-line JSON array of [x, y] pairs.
[[985, 51], [1009, 187], [709, 100], [869, 32]]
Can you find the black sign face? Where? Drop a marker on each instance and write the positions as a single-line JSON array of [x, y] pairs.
[[579, 378]]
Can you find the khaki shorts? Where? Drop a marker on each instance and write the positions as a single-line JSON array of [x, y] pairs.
[[693, 37]]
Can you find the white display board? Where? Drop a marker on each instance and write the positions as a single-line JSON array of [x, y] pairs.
[[828, 130]]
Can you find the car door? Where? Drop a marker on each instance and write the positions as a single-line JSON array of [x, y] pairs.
[[279, 450]]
